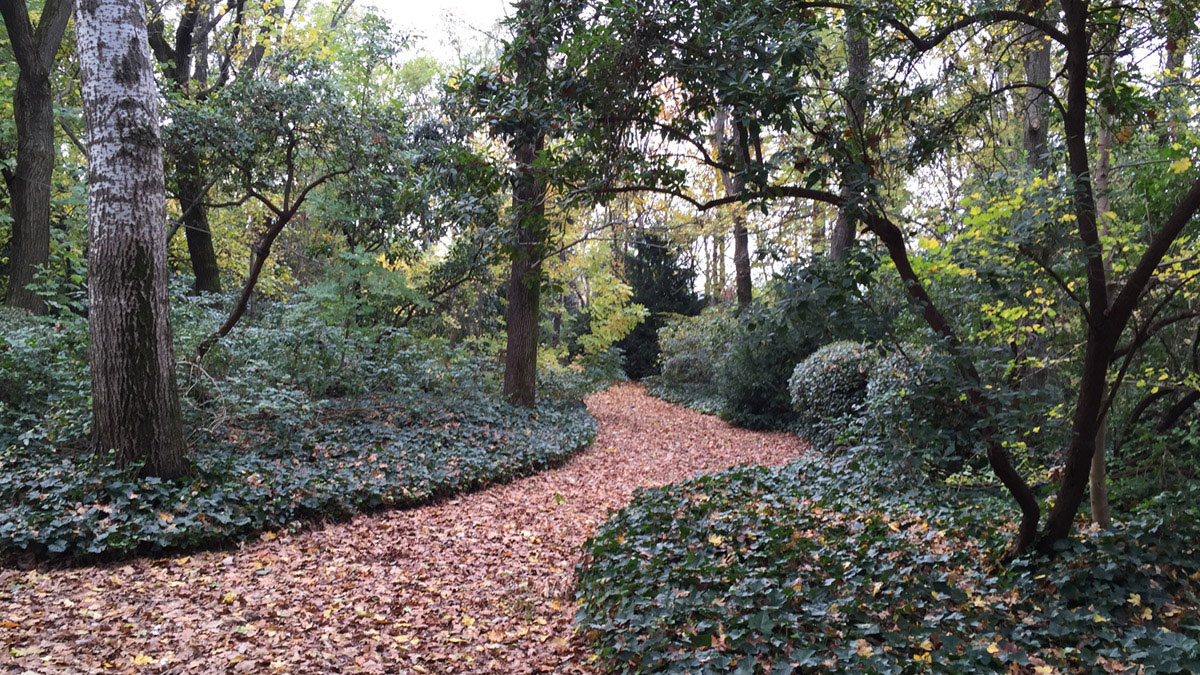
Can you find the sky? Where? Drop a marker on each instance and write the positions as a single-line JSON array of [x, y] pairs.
[[438, 19]]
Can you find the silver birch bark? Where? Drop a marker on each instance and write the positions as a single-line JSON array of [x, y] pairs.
[[135, 403]]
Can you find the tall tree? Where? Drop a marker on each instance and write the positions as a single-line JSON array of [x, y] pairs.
[[529, 186], [858, 63], [134, 398], [183, 63], [734, 155], [780, 82], [33, 107]]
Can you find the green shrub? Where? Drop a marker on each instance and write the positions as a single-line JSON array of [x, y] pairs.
[[752, 379], [806, 569], [830, 385], [811, 306], [587, 374], [45, 394], [914, 417], [692, 350], [289, 419]]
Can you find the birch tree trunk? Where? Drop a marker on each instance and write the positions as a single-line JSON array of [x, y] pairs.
[[135, 403]]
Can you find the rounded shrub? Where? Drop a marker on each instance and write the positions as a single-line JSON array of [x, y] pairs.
[[913, 415], [829, 385]]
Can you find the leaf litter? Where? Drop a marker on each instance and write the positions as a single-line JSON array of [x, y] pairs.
[[481, 583]]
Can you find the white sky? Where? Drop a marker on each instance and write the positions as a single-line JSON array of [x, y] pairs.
[[437, 20]]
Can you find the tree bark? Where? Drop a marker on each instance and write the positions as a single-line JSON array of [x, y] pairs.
[[1098, 475], [177, 63], [734, 183], [1035, 138], [858, 63], [194, 218], [529, 224], [134, 398], [33, 109]]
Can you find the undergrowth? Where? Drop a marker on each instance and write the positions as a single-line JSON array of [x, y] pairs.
[[803, 569], [290, 420]]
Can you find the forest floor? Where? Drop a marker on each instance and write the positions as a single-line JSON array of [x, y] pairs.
[[481, 583]]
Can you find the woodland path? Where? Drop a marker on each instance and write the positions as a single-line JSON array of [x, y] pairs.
[[477, 584]]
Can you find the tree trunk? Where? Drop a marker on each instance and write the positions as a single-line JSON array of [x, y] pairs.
[[529, 215], [525, 276], [1098, 481], [858, 62], [33, 109], [1035, 138], [191, 48], [134, 399], [734, 182], [195, 223], [30, 188], [1098, 475]]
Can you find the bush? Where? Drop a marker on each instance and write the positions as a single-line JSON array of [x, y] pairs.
[[752, 379], [804, 569], [289, 420], [589, 373], [45, 394], [913, 417], [813, 306], [692, 350], [830, 385]]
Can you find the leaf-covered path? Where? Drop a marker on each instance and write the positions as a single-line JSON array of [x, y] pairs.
[[476, 584]]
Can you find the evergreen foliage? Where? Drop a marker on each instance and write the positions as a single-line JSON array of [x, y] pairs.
[[662, 283]]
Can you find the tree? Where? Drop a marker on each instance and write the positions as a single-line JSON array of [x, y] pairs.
[[858, 64], [284, 138], [764, 60], [33, 107], [134, 399], [661, 284], [519, 104], [180, 64]]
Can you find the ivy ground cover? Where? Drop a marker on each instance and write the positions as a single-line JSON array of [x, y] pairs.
[[278, 473], [803, 569]]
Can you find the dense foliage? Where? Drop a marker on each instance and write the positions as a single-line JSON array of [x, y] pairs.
[[829, 386], [293, 420], [743, 359], [806, 569], [663, 286], [692, 350]]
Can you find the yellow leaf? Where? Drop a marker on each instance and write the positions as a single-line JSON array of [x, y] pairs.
[[1181, 165], [716, 539], [165, 517], [229, 597], [926, 645], [1099, 619], [143, 660], [468, 621], [993, 648], [1147, 614], [1043, 670], [924, 658], [1135, 599]]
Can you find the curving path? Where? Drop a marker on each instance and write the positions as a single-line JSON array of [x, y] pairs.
[[477, 584]]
